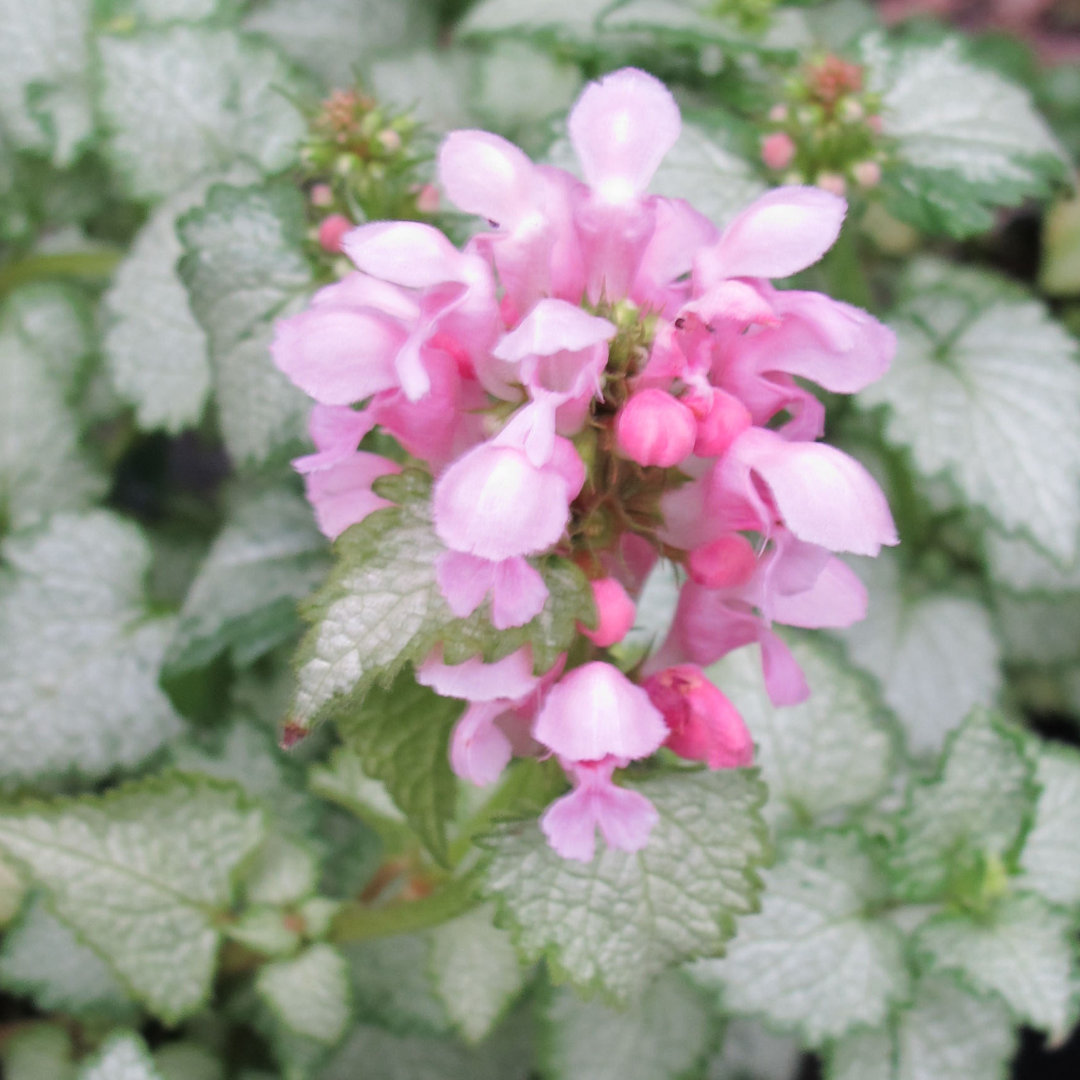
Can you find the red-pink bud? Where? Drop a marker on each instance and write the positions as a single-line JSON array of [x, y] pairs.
[[703, 725], [427, 199], [322, 195], [721, 417], [724, 564], [653, 428], [777, 150], [616, 613], [867, 174], [831, 182], [332, 230]]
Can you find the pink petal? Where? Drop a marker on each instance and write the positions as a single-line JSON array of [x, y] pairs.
[[824, 496], [336, 431], [479, 751], [408, 253], [464, 581], [518, 595], [486, 175], [777, 235], [615, 613], [357, 290], [336, 355], [621, 128], [595, 711], [512, 677], [785, 682], [341, 494], [554, 326], [569, 824], [626, 818], [837, 598]]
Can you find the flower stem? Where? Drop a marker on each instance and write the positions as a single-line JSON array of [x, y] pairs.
[[95, 264]]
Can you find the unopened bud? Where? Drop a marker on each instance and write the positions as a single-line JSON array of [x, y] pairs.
[[831, 182], [615, 611], [777, 150], [702, 724], [726, 563], [331, 232], [427, 199], [875, 124], [390, 139], [867, 174], [778, 114], [721, 417], [322, 195], [653, 428]]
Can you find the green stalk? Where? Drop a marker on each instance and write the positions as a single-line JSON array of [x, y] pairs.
[[97, 264]]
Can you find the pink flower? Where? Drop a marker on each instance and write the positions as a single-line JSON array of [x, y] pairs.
[[625, 818], [517, 590], [596, 711], [704, 725], [777, 150], [728, 562]]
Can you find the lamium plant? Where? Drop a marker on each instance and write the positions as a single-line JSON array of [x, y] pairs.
[[539, 542]]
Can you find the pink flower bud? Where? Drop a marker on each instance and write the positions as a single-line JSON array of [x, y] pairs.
[[867, 174], [390, 139], [427, 199], [703, 724], [653, 428], [778, 114], [777, 150], [616, 613], [721, 417], [875, 124], [726, 563], [331, 232], [831, 182], [322, 195]]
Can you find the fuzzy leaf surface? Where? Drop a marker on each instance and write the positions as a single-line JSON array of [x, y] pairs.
[[476, 972], [268, 556], [1049, 862], [1024, 951], [79, 667], [244, 267], [936, 657], [44, 342], [968, 140], [393, 984], [830, 753], [123, 1057], [44, 960], [44, 77], [309, 993], [617, 922], [381, 608], [662, 1035], [140, 874], [1002, 431], [977, 807], [188, 100], [812, 958], [1018, 565]]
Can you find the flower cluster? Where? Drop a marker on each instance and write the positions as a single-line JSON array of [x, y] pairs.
[[827, 131], [601, 376]]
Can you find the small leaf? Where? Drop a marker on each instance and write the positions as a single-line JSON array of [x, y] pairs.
[[935, 656], [967, 139], [946, 1032], [123, 1057], [619, 921], [78, 671], [812, 958], [402, 737], [140, 874], [268, 556], [564, 20], [309, 994], [243, 268], [1018, 565], [44, 76], [392, 984], [43, 346], [334, 38], [190, 100], [1039, 629], [381, 608], [44, 960], [1049, 862], [476, 972], [751, 1052], [1024, 951], [155, 349], [977, 807], [283, 872], [831, 753], [662, 1035], [1003, 432]]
